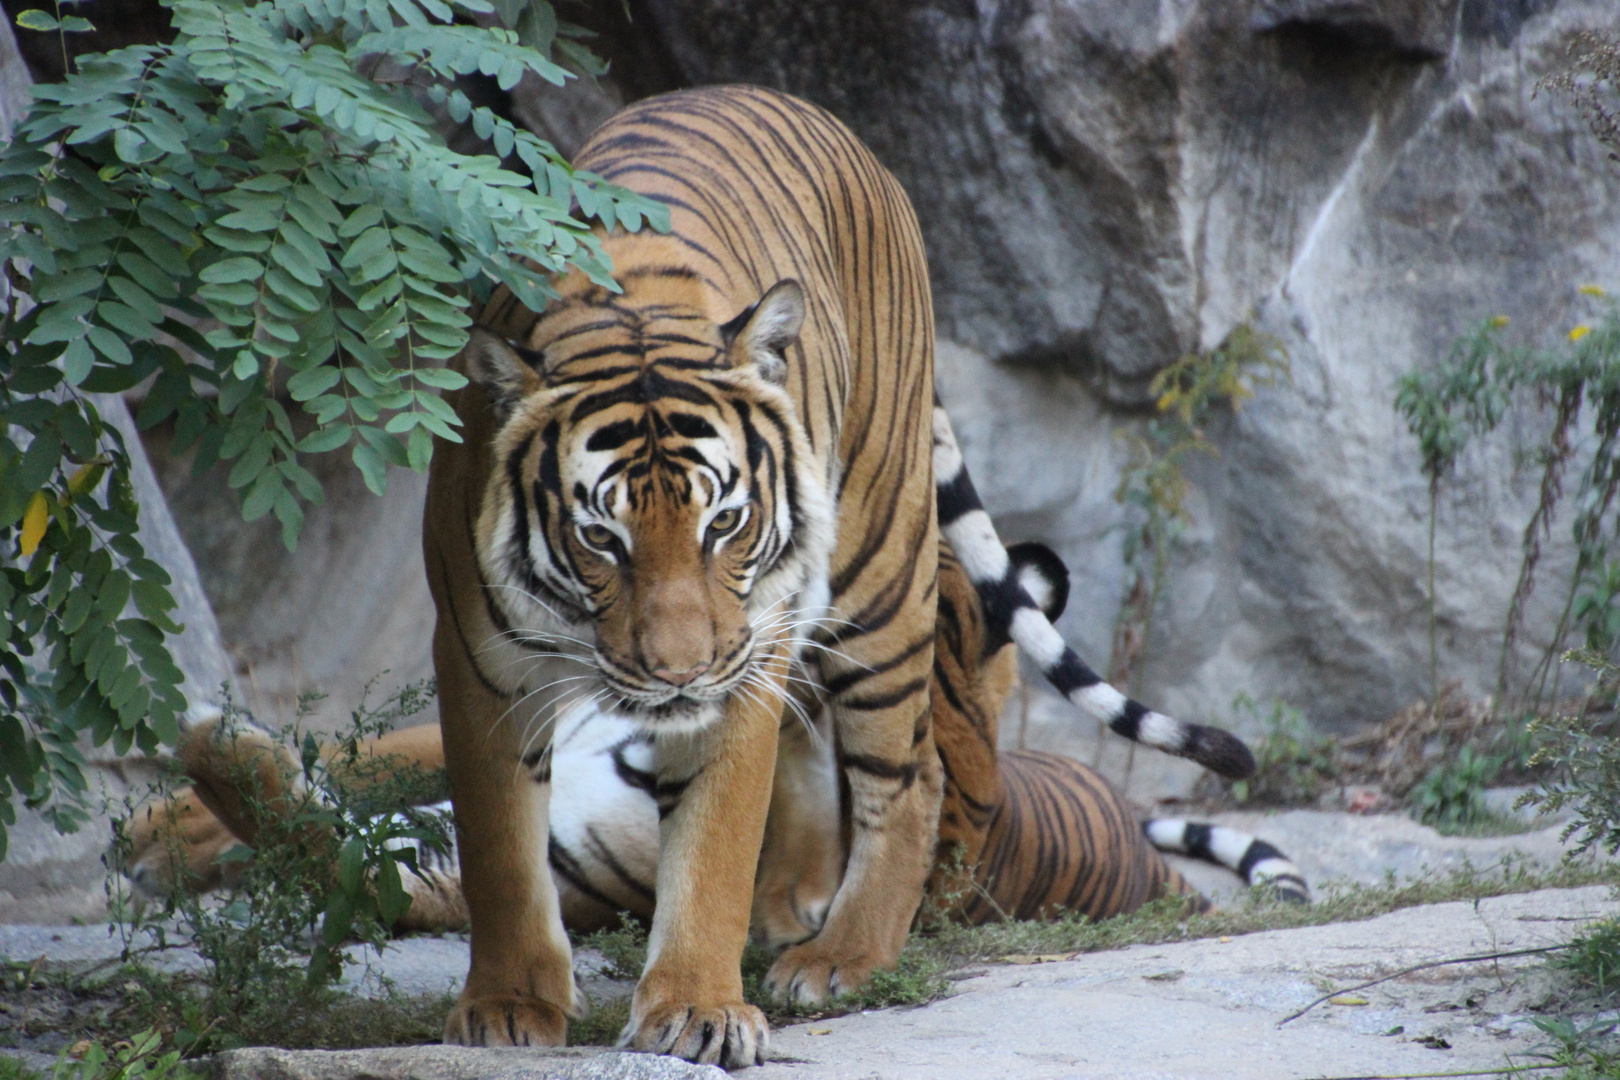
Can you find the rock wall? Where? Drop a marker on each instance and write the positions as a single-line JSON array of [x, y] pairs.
[[1104, 187]]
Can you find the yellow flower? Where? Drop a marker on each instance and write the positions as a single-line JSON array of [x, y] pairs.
[[1499, 321], [34, 522], [1579, 332], [1591, 290]]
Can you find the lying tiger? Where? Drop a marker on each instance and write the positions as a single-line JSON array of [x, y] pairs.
[[1022, 835], [700, 498]]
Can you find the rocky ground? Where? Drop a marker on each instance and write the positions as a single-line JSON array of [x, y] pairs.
[[1194, 1009]]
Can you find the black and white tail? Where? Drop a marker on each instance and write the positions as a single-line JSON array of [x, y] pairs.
[[1006, 602], [1252, 859]]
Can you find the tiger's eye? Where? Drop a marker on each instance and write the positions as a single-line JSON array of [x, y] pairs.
[[598, 536], [725, 521]]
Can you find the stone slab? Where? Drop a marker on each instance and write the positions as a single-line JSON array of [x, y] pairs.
[[454, 1063], [1210, 1009]]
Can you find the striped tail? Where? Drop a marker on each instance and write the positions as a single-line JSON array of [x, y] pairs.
[[1008, 604], [1252, 859]]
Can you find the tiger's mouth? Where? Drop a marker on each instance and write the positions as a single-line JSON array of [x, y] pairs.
[[652, 700]]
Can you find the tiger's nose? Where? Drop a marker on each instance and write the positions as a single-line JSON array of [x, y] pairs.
[[679, 678]]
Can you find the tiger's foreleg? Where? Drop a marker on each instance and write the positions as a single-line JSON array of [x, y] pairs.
[[714, 788], [520, 986]]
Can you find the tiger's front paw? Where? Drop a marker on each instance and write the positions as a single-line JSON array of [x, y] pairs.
[[506, 1021], [812, 973], [731, 1035]]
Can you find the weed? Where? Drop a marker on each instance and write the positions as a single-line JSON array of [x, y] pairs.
[[1585, 1052], [1468, 396], [1583, 755], [1452, 795], [327, 866], [1293, 762], [140, 1058], [1593, 958], [1167, 920], [1153, 487], [624, 948], [602, 1024]]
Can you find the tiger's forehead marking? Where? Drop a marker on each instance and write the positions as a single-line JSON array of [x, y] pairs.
[[663, 316]]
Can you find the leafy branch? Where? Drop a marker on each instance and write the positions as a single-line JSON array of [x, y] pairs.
[[261, 221]]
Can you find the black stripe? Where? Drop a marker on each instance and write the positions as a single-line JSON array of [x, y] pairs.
[[628, 774], [1071, 674], [1129, 722], [1258, 851], [564, 865], [604, 851], [956, 497], [876, 766], [894, 697], [1195, 841]]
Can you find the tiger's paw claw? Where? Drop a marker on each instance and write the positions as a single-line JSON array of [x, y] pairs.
[[806, 975], [731, 1035], [506, 1021]]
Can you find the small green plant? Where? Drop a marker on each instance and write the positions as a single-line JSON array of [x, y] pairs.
[[1452, 794], [328, 868], [1581, 751], [1153, 487], [1293, 762], [1593, 958], [624, 948], [141, 1057], [1583, 1051]]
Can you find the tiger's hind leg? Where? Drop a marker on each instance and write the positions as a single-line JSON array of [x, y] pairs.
[[803, 856], [893, 782]]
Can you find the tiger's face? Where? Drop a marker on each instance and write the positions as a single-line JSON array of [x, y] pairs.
[[653, 485]]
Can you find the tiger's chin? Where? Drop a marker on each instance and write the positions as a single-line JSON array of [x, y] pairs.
[[670, 713]]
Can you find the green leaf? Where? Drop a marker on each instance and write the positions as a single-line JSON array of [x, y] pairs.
[[312, 383], [228, 271], [372, 467], [127, 319], [128, 144], [352, 866], [325, 439], [262, 495], [34, 19], [110, 345], [151, 599]]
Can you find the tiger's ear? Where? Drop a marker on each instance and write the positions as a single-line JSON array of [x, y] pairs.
[[762, 333], [506, 374]]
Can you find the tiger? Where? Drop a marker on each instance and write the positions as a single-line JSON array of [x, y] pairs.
[[1022, 835], [718, 472], [667, 492]]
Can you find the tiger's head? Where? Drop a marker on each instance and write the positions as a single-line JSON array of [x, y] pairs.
[[652, 484]]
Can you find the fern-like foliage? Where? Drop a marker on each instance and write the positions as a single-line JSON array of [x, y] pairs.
[[263, 203]]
